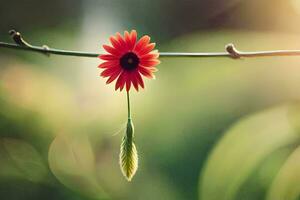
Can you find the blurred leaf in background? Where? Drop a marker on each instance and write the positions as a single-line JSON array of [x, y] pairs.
[[22, 160], [239, 153], [71, 160], [286, 184]]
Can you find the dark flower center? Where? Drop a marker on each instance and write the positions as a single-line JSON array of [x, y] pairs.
[[129, 61]]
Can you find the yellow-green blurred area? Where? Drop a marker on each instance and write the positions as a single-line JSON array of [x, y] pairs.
[[206, 128]]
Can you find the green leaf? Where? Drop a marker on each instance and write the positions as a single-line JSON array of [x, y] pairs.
[[128, 153], [287, 183], [25, 158], [72, 161], [242, 149]]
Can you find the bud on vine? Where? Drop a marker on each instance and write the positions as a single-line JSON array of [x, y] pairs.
[[128, 153]]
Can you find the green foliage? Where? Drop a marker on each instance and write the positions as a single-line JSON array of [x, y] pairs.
[[71, 160], [247, 144], [22, 160], [287, 183]]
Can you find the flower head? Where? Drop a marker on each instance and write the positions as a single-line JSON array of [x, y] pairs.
[[128, 59]]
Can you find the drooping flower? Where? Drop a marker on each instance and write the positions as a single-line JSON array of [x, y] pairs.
[[128, 59]]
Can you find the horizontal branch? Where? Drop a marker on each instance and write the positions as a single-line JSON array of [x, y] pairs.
[[230, 52], [48, 50]]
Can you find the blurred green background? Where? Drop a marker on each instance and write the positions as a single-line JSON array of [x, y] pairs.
[[206, 128]]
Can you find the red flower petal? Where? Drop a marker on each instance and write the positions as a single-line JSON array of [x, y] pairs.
[[152, 69], [140, 80], [141, 43], [128, 82], [149, 63], [125, 78], [121, 81], [128, 41], [112, 50], [114, 76], [133, 36], [121, 41], [135, 81], [109, 64], [146, 72], [110, 71], [149, 56], [115, 42], [146, 49], [108, 57]]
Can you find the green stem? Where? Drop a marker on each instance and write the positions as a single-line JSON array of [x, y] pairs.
[[230, 52], [128, 106]]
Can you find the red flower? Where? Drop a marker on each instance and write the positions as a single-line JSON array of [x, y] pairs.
[[128, 59]]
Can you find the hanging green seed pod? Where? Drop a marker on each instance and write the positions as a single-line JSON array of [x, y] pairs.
[[128, 153]]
